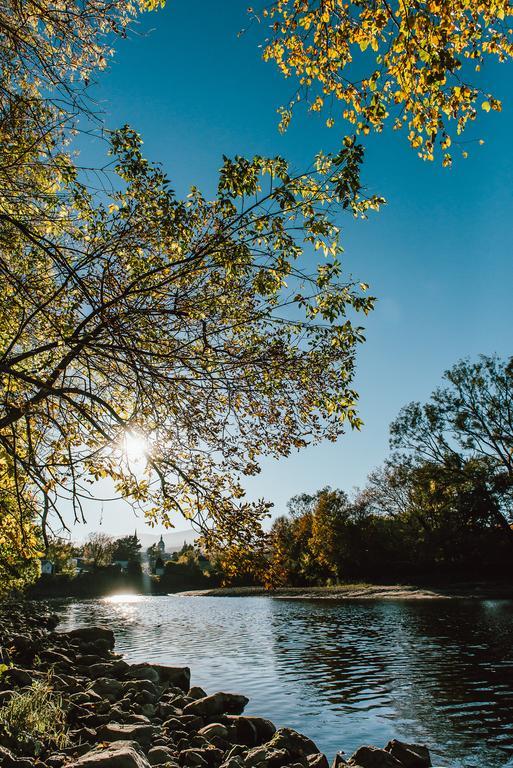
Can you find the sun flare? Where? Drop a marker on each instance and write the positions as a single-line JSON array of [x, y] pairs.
[[135, 449]]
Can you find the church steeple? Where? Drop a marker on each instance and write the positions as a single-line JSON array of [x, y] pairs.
[[161, 546]]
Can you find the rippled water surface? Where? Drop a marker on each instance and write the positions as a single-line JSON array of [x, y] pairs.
[[344, 673]]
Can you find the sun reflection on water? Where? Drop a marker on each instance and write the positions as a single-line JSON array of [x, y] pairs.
[[124, 598]]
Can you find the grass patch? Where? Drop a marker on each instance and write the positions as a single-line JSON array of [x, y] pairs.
[[36, 716]]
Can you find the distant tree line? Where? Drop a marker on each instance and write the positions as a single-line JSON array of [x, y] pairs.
[[439, 507]]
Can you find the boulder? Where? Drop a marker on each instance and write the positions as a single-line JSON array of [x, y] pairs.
[[410, 755], [192, 758], [250, 730], [318, 761], [196, 693], [214, 730], [143, 671], [8, 760], [372, 757], [217, 704], [138, 732], [338, 761], [56, 760], [266, 756], [107, 687], [92, 635], [160, 754], [106, 669], [120, 754], [294, 743], [18, 677], [177, 676]]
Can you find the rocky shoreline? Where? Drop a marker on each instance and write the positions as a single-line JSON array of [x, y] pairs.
[[98, 711]]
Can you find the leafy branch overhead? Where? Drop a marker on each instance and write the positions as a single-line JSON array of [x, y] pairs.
[[413, 64], [209, 327]]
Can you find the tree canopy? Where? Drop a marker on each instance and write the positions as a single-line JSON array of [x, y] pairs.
[[207, 328], [413, 64]]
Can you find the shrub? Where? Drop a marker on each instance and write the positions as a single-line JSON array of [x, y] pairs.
[[36, 716]]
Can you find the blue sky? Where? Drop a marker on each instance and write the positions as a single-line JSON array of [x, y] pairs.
[[438, 257]]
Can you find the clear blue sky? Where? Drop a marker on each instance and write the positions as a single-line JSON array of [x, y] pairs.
[[438, 257]]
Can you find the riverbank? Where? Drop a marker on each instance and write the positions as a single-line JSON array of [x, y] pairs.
[[363, 591], [67, 700]]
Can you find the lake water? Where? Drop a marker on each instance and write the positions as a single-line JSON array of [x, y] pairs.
[[344, 673]]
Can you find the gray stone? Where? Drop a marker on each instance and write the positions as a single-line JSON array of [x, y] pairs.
[[178, 676], [318, 761], [8, 760], [120, 754], [139, 732], [214, 730], [108, 688], [217, 704], [92, 635], [143, 672], [18, 677], [196, 693], [107, 669], [294, 743], [192, 758], [250, 730], [266, 756], [161, 754], [372, 757], [410, 755]]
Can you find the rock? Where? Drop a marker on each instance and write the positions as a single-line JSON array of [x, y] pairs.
[[178, 676], [118, 715], [236, 750], [7, 759], [319, 761], [138, 732], [233, 762], [55, 761], [55, 657], [214, 730], [107, 669], [158, 755], [192, 758], [196, 693], [143, 672], [294, 743], [120, 754], [168, 710], [266, 756], [85, 735], [250, 730], [137, 686], [18, 677], [5, 696], [410, 755], [372, 757], [217, 704], [338, 761], [92, 635], [107, 688]]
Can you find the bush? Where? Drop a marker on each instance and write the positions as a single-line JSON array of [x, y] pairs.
[[36, 716]]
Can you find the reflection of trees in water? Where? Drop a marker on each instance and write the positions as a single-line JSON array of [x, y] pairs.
[[439, 671]]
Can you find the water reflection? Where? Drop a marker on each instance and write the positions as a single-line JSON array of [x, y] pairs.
[[344, 673]]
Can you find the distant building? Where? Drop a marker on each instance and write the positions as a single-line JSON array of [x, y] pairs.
[[161, 546], [47, 567], [78, 564]]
